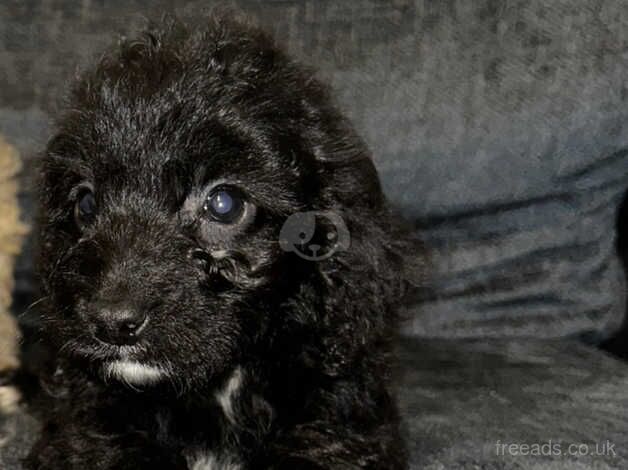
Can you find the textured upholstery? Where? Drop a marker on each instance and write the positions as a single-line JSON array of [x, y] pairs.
[[466, 399]]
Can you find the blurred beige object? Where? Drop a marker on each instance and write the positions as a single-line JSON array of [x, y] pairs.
[[12, 232]]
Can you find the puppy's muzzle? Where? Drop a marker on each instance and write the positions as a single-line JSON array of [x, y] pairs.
[[131, 266]]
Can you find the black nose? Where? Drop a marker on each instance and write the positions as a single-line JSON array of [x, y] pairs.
[[119, 324]]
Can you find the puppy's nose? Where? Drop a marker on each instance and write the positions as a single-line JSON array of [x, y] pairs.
[[119, 324]]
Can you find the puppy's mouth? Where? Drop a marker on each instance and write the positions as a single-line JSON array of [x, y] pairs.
[[125, 363], [96, 350]]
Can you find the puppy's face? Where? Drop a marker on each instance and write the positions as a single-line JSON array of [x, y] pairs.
[[164, 193]]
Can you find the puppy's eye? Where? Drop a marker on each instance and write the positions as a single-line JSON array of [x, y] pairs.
[[224, 205], [85, 209]]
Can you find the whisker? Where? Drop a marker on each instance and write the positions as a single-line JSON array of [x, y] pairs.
[[37, 302]]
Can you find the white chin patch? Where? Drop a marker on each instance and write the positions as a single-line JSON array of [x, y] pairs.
[[134, 373], [211, 461]]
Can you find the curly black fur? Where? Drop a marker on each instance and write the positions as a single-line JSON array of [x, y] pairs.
[[260, 359]]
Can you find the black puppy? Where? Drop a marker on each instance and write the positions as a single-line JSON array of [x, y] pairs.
[[221, 268]]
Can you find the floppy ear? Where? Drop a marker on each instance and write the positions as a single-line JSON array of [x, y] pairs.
[[361, 286]]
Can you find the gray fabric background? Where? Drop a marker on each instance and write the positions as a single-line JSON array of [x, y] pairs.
[[464, 397], [498, 128]]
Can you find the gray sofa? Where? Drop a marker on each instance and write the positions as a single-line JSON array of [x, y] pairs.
[[500, 130]]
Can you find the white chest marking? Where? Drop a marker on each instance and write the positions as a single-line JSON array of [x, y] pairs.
[[226, 396]]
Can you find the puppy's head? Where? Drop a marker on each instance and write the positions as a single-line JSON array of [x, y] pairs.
[[180, 158]]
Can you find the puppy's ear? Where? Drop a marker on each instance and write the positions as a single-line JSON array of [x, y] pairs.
[[363, 285]]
